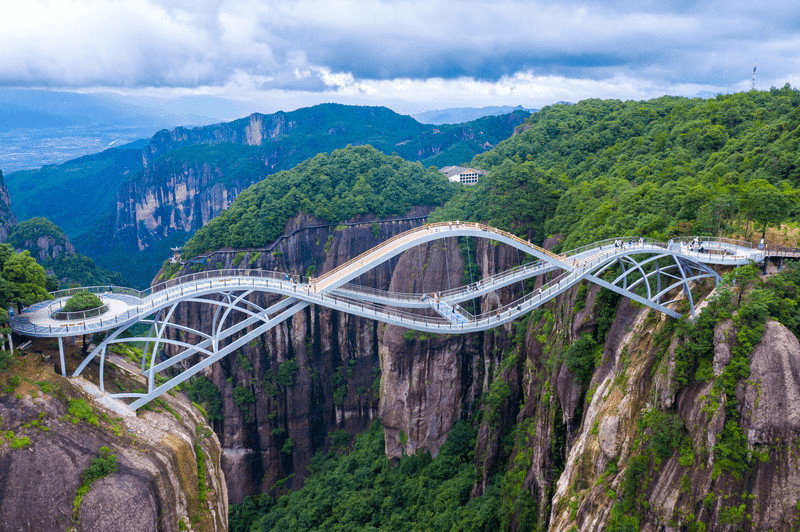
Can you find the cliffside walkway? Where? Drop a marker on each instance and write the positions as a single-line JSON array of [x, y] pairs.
[[652, 273]]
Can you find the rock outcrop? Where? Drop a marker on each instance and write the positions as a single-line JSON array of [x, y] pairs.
[[7, 218], [564, 447], [168, 475], [165, 201]]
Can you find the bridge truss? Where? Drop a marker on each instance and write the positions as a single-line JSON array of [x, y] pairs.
[[651, 273]]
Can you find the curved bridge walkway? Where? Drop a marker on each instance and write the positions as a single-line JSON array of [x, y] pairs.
[[652, 273]]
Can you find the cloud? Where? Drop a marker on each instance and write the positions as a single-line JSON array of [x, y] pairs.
[[399, 47]]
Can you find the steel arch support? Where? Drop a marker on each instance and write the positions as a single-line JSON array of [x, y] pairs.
[[632, 295], [264, 318], [152, 394]]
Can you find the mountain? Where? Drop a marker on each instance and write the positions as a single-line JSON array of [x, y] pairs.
[[34, 109], [456, 115], [127, 206], [590, 413]]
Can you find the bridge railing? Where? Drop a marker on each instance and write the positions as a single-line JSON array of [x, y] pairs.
[[426, 228], [397, 314], [232, 272], [609, 242], [93, 289], [444, 294], [715, 240], [79, 315], [540, 293]]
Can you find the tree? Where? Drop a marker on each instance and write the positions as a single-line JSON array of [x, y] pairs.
[[27, 278], [82, 301], [765, 204], [743, 277], [5, 252]]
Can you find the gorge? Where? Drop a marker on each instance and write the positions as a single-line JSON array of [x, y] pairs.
[[591, 412]]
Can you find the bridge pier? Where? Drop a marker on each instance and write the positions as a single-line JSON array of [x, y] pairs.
[[651, 272], [61, 354]]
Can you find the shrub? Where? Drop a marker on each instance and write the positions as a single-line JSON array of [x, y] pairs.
[[202, 390], [80, 410], [243, 396], [580, 358], [82, 301], [100, 467], [286, 372]]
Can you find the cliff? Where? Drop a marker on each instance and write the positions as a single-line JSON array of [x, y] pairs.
[[166, 475], [596, 413], [313, 375], [166, 201], [7, 218]]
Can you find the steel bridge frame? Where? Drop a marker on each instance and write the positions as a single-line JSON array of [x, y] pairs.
[[647, 273]]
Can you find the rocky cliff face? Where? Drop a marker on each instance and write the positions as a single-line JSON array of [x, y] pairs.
[[168, 474], [166, 200], [47, 247], [568, 442], [7, 218]]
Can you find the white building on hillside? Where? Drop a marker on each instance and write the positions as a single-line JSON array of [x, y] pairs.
[[461, 174]]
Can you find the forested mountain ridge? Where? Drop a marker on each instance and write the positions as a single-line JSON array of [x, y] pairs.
[[349, 182], [136, 204], [305, 132], [590, 413], [603, 168]]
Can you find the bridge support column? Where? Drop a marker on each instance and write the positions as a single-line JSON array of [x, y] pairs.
[[61, 354]]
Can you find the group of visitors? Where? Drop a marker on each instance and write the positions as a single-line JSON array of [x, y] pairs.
[[697, 245]]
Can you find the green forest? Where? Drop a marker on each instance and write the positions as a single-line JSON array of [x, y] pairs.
[[332, 187], [360, 489], [728, 166]]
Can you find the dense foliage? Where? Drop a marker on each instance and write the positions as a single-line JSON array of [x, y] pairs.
[[729, 165], [82, 301], [23, 280], [25, 234], [77, 193], [363, 491], [332, 187], [69, 269]]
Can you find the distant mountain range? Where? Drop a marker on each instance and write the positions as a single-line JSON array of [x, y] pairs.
[[456, 115], [126, 205]]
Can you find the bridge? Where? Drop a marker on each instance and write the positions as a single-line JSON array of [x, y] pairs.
[[652, 273]]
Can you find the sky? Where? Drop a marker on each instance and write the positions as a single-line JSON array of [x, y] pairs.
[[409, 55]]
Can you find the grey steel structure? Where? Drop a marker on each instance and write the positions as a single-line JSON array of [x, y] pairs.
[[653, 273]]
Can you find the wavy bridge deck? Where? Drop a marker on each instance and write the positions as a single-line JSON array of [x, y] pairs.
[[652, 273]]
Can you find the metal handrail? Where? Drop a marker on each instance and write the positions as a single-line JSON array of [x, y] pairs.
[[79, 314], [426, 228], [163, 292]]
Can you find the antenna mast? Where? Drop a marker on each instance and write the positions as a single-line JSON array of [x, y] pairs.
[[753, 81]]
